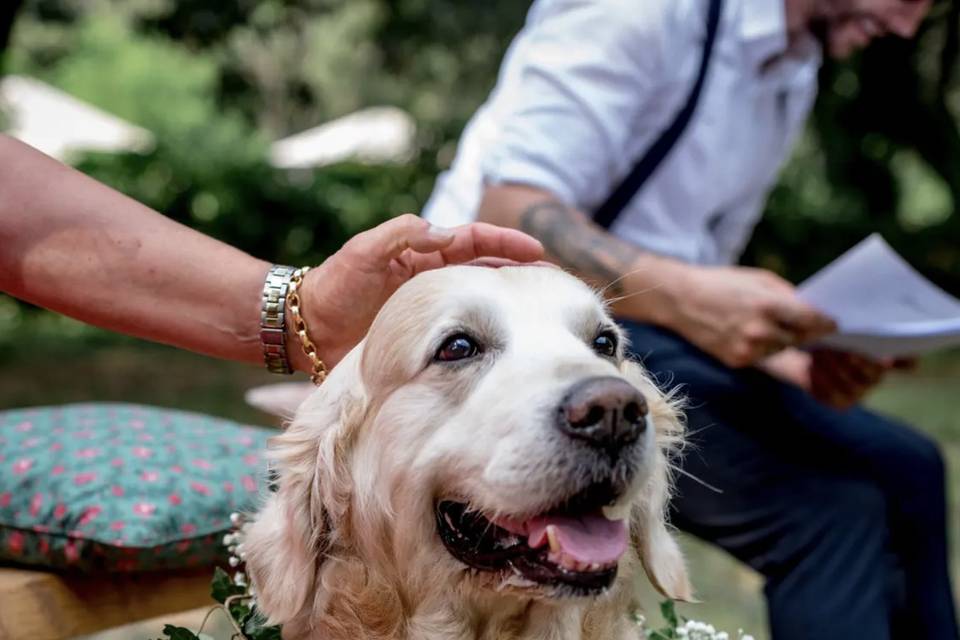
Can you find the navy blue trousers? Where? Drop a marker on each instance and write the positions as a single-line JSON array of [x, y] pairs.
[[843, 513]]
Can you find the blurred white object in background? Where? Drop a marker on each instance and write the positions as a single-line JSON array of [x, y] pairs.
[[59, 124], [376, 134], [280, 399]]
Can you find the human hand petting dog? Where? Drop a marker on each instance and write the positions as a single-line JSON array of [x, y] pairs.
[[342, 296]]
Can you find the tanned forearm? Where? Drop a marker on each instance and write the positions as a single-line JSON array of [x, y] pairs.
[[572, 240], [73, 245]]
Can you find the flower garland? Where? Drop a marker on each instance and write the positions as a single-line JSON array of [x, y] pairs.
[[238, 601]]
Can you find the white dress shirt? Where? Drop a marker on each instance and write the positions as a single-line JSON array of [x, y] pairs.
[[587, 85]]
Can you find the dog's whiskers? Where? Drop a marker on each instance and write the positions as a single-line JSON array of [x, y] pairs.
[[696, 479], [633, 294], [613, 282]]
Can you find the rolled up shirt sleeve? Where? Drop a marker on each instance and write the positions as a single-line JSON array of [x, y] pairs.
[[586, 71]]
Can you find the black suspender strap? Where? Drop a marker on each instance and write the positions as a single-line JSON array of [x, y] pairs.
[[606, 214]]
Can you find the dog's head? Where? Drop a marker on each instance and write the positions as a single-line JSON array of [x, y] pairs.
[[489, 435]]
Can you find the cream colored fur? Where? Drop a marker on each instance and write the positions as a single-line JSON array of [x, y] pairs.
[[347, 548]]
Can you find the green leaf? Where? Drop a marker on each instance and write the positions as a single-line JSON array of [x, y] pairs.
[[223, 587], [669, 613], [254, 629], [179, 633]]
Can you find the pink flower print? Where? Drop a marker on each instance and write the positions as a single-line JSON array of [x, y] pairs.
[[251, 459], [176, 468], [171, 448], [149, 476], [136, 424], [5, 498], [144, 509], [142, 452], [88, 453], [206, 465], [188, 528], [22, 465], [245, 440], [23, 427], [174, 499], [200, 488], [57, 470], [88, 515], [35, 503], [15, 542], [183, 546], [41, 528], [145, 437], [56, 446], [117, 490], [228, 486], [83, 434], [43, 545], [84, 478], [70, 551], [117, 525], [116, 462], [248, 483], [59, 511], [29, 443]]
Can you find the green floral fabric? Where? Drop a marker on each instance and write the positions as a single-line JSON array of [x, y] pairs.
[[122, 487]]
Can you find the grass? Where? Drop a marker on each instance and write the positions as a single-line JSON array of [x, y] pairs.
[[57, 361]]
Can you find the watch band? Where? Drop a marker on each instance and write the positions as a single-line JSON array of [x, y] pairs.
[[273, 330]]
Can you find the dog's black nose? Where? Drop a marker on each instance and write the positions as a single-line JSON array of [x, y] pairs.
[[605, 412]]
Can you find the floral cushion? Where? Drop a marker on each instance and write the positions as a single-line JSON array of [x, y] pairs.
[[122, 487]]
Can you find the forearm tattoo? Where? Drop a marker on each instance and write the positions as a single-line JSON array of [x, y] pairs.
[[578, 244]]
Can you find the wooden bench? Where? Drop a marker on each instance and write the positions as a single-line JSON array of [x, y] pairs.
[[39, 605]]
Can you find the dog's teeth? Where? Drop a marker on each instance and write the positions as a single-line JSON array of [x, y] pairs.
[[594, 566], [617, 511], [552, 538]]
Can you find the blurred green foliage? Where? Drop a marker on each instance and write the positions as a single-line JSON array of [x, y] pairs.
[[215, 80]]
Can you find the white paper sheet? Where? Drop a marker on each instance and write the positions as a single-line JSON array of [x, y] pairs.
[[882, 306]]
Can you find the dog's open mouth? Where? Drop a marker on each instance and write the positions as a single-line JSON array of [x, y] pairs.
[[575, 546]]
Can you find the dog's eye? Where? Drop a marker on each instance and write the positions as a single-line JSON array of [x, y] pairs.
[[606, 344], [458, 347]]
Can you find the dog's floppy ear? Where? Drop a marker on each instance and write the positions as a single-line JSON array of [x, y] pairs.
[[287, 542], [658, 550]]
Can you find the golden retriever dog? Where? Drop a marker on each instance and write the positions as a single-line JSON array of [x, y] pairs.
[[486, 464]]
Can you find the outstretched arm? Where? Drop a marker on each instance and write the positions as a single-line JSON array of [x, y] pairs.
[[73, 245]]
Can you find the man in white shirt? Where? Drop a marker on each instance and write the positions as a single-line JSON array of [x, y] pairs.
[[638, 141]]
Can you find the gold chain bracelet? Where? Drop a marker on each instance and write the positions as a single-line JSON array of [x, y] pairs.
[[300, 327]]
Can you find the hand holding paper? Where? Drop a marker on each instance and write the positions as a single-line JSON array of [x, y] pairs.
[[882, 306]]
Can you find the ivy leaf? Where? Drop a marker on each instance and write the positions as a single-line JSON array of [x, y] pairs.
[[179, 633], [223, 587], [255, 630], [669, 613]]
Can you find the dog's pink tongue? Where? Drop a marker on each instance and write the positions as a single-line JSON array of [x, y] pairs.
[[591, 538]]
